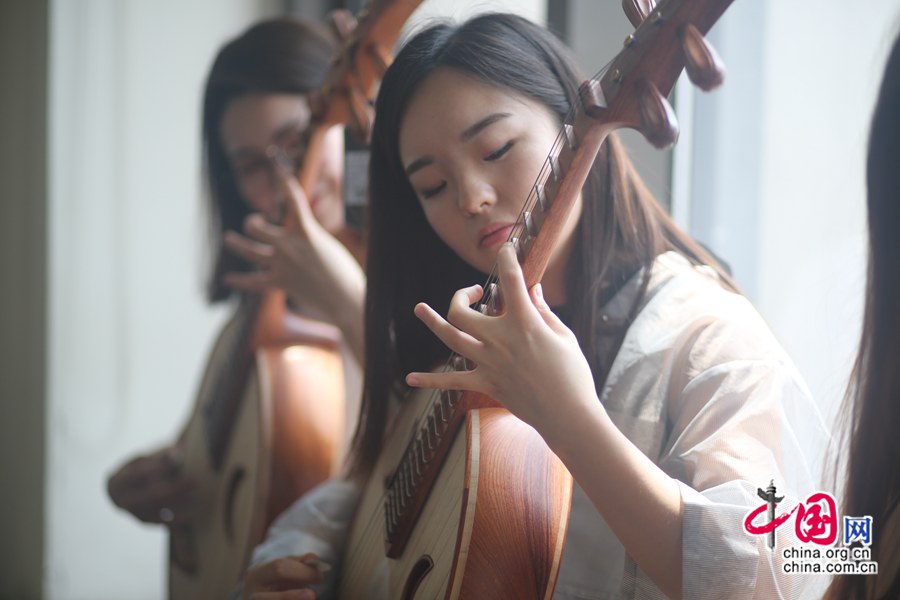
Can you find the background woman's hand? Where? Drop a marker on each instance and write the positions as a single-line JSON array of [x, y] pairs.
[[305, 260], [526, 358], [282, 579], [154, 488], [314, 268]]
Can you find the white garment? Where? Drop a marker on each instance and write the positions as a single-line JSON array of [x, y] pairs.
[[701, 387], [317, 522]]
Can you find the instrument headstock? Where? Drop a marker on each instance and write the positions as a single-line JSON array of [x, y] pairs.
[[347, 95], [350, 87], [668, 38], [631, 92]]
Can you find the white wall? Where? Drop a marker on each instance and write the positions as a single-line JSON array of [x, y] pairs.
[[822, 82], [128, 328], [778, 172], [461, 9]]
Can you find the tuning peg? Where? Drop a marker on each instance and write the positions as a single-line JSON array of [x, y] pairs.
[[637, 10], [342, 23], [658, 122], [702, 63]]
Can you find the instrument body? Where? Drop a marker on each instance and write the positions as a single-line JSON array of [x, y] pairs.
[[269, 422], [452, 455], [493, 526], [286, 435]]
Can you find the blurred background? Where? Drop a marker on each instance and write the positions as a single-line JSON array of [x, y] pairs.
[[103, 327]]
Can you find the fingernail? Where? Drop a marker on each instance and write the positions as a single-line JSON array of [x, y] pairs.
[[538, 291], [412, 380]]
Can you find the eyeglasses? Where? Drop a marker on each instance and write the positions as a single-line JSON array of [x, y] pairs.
[[256, 173]]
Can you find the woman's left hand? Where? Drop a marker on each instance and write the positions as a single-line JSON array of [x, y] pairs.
[[525, 358]]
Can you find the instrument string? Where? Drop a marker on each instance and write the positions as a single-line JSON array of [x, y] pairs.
[[376, 526]]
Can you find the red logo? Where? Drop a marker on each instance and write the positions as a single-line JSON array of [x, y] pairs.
[[816, 521]]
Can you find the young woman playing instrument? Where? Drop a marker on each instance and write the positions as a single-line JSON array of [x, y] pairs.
[[656, 383], [255, 114]]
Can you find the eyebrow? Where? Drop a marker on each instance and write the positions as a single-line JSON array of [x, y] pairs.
[[299, 123], [481, 125], [464, 137]]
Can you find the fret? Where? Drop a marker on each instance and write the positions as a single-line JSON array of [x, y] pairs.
[[427, 439], [439, 406], [404, 484], [568, 131], [519, 247], [525, 238], [531, 227], [543, 202], [391, 510], [460, 363], [420, 460], [556, 171], [423, 443], [562, 159]]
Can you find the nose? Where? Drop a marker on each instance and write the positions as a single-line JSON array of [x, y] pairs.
[[475, 195], [268, 199]]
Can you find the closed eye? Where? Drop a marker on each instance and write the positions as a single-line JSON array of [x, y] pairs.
[[430, 192], [498, 153]]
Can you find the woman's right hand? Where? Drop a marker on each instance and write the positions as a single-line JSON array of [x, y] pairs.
[[314, 268], [283, 579], [154, 488]]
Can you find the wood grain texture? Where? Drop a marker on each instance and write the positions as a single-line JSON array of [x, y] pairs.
[[492, 526], [286, 437]]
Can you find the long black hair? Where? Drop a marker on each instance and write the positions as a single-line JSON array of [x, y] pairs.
[[871, 407], [281, 55], [621, 229]]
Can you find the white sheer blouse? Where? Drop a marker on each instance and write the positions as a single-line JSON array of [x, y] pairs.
[[702, 387]]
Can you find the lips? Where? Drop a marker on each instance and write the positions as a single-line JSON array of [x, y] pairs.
[[494, 234]]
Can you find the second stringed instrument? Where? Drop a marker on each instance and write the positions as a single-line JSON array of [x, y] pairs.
[[269, 421], [466, 500]]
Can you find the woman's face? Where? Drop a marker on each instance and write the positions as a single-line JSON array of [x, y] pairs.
[[258, 129], [472, 153]]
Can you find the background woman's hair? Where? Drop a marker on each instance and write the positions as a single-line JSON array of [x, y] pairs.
[[871, 409], [622, 228], [280, 56]]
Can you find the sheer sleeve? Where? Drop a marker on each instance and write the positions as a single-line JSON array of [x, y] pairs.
[[740, 425], [317, 522], [702, 386]]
